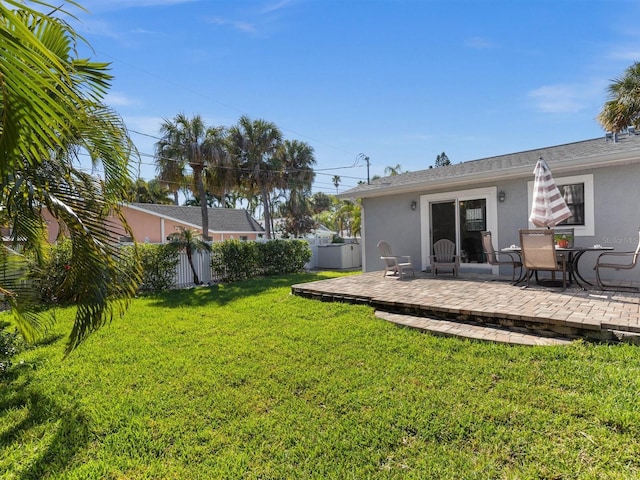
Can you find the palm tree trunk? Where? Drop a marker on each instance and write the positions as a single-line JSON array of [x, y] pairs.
[[196, 280], [202, 193], [267, 212]]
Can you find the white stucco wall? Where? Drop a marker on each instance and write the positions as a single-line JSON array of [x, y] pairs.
[[616, 220]]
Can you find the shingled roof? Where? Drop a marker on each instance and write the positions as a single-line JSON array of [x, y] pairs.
[[220, 219], [562, 159]]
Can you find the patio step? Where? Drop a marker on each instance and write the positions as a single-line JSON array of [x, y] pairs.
[[475, 332]]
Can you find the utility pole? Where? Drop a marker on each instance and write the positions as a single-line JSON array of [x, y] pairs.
[[362, 156]]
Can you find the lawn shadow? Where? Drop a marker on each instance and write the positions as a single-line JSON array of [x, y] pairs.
[[61, 432], [222, 294]]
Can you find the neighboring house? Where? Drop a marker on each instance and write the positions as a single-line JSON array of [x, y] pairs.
[[321, 232], [154, 223], [599, 179]]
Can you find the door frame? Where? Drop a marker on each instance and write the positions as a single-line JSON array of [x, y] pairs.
[[489, 194]]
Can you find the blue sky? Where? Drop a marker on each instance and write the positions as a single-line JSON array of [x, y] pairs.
[[400, 81]]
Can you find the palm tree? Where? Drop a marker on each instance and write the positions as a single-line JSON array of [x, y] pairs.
[[187, 142], [152, 191], [51, 109], [221, 175], [158, 193], [622, 109], [254, 144], [189, 241], [298, 159], [393, 170], [336, 182]]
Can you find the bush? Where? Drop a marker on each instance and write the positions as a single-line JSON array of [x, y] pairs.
[[50, 277], [158, 263], [11, 343], [234, 260], [283, 256]]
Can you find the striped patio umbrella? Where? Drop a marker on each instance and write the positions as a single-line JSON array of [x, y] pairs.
[[548, 207]]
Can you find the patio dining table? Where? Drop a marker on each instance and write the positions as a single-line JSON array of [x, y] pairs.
[[574, 254]]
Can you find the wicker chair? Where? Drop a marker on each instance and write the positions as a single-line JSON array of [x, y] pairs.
[[396, 264], [444, 256], [539, 254], [493, 257], [615, 260]]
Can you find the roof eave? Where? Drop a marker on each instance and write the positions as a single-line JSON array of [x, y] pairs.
[[564, 167]]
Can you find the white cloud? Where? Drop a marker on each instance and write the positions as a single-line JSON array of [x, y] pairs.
[[417, 137], [568, 98], [275, 6], [98, 27], [627, 54], [116, 99], [479, 43], [245, 27], [109, 5]]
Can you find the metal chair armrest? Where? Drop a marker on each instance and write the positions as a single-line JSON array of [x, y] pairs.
[[512, 256], [621, 254]]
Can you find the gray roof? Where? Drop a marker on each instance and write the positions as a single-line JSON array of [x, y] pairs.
[[220, 219], [566, 158]]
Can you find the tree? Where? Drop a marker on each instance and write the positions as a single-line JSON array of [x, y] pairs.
[[254, 144], [187, 142], [393, 170], [442, 160], [221, 175], [51, 109], [622, 108], [189, 241], [152, 191], [298, 160], [320, 201], [336, 182]]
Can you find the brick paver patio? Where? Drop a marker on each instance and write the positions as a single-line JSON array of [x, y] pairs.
[[481, 302]]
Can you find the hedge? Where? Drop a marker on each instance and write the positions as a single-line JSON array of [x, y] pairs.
[[234, 260]]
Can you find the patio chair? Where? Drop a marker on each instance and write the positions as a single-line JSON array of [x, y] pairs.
[[538, 250], [615, 260], [493, 257], [397, 264], [444, 256]]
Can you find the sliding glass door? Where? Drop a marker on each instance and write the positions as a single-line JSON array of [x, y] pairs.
[[460, 217]]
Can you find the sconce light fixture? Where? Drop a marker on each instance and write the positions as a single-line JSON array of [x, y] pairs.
[[501, 196], [413, 205]]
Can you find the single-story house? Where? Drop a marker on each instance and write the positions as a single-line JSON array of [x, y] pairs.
[[153, 223], [598, 178]]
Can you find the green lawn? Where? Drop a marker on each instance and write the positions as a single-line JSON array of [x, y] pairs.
[[248, 381]]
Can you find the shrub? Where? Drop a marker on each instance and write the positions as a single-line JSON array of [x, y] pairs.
[[50, 277], [11, 343], [283, 256], [233, 260], [158, 263]]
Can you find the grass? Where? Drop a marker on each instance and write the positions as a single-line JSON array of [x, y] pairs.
[[247, 381]]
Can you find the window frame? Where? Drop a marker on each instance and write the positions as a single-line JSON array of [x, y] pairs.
[[588, 229]]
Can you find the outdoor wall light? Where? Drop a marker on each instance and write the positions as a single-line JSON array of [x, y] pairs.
[[501, 196], [413, 205]]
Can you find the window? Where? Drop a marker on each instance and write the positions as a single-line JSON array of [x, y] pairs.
[[578, 193], [574, 197], [243, 238]]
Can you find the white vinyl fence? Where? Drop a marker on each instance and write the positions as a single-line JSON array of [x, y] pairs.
[[202, 264]]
